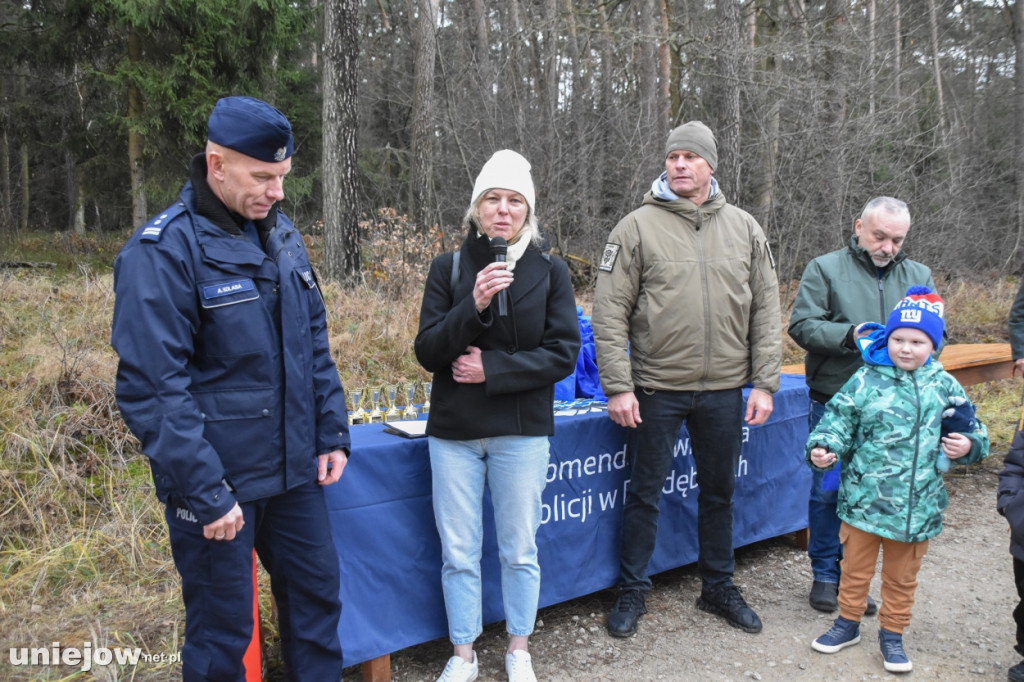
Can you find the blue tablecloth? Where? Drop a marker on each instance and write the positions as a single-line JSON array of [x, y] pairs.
[[390, 554]]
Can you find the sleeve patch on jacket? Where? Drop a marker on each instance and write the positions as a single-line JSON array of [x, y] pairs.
[[608, 258]]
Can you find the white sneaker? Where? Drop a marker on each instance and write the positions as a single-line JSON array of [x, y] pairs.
[[519, 665], [460, 670]]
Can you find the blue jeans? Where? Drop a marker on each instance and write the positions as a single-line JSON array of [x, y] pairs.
[[515, 469], [714, 421], [823, 546]]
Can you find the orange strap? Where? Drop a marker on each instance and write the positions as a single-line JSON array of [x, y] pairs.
[[253, 659]]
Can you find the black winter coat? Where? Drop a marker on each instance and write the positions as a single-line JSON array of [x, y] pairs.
[[1010, 501], [524, 353]]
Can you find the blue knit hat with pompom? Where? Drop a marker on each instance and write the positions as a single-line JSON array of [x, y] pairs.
[[921, 309]]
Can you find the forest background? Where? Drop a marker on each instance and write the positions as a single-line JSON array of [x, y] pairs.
[[818, 106]]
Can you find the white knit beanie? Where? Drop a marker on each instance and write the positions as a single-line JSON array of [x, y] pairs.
[[506, 169]]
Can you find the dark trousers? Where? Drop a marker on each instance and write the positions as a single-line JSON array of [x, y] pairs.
[[291, 535], [713, 419], [1018, 613]]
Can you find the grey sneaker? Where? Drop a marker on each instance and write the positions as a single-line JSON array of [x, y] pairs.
[[460, 670]]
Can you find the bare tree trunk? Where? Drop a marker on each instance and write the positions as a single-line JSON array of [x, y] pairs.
[[728, 77], [136, 142], [1018, 128], [519, 64], [872, 50], [549, 59], [482, 58], [339, 80], [6, 213], [664, 112], [424, 17], [933, 33], [897, 13], [763, 173], [835, 114], [23, 220], [78, 216], [649, 69]]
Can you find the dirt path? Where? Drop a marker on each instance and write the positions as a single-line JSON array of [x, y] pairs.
[[962, 627]]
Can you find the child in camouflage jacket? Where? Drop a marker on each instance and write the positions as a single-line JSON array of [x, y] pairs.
[[884, 425]]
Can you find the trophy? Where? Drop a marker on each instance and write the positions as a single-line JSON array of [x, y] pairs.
[[393, 412], [410, 410], [425, 408], [375, 416], [358, 416]]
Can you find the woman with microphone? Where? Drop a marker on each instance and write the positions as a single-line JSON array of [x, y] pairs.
[[498, 330]]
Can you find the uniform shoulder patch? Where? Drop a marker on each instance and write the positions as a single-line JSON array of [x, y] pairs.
[[152, 230], [608, 257]]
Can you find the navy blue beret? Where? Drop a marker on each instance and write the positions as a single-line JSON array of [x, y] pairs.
[[251, 127]]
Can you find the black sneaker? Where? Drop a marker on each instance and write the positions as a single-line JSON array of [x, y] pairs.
[[629, 606], [1016, 673], [871, 608], [824, 596], [728, 603]]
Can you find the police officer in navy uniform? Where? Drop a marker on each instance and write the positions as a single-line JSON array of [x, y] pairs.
[[225, 376]]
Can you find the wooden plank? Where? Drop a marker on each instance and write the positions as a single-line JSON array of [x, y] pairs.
[[377, 669], [970, 363], [978, 374]]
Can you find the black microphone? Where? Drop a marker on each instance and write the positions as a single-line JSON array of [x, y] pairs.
[[498, 249]]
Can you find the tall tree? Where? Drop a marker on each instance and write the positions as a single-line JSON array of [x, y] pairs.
[[424, 17], [340, 159], [727, 76], [1018, 126]]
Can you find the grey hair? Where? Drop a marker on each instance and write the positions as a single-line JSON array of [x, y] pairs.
[[530, 227], [889, 205]]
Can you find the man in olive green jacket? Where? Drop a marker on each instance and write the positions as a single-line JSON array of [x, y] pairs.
[[838, 291], [688, 283]]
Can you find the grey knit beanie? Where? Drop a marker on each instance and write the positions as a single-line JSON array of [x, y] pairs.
[[695, 137]]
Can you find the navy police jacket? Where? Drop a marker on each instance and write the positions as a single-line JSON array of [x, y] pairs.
[[225, 374]]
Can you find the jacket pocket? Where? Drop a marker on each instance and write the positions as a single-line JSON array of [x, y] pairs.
[[239, 424]]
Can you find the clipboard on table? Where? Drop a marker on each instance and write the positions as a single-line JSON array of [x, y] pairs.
[[407, 429]]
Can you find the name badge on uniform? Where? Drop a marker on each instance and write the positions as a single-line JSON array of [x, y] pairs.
[[228, 293]]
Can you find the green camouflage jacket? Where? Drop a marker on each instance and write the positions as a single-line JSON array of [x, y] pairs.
[[884, 426]]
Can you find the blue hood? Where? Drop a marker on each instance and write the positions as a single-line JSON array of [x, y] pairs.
[[874, 347]]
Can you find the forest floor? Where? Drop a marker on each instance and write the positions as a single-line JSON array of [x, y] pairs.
[[962, 627]]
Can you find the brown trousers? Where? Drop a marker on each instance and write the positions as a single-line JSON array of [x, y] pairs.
[[900, 563]]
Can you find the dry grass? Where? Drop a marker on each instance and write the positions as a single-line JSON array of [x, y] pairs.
[[83, 549]]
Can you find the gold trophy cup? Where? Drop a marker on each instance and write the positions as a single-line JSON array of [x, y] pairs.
[[410, 409], [425, 407], [375, 416], [393, 412], [358, 416]]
